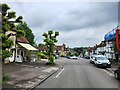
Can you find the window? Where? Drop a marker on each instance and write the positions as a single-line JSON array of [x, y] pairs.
[[101, 58]]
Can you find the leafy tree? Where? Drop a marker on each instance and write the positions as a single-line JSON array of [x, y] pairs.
[[7, 24], [28, 32], [41, 55], [40, 44], [50, 40]]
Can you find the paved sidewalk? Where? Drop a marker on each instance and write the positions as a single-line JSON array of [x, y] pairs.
[[113, 68], [27, 75]]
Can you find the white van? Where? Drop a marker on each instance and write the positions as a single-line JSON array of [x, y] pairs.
[[102, 61]]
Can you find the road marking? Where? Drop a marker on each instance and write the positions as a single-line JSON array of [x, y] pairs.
[[59, 73], [108, 73]]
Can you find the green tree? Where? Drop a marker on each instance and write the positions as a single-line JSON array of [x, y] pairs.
[[7, 24], [28, 32], [40, 44], [41, 55], [50, 40]]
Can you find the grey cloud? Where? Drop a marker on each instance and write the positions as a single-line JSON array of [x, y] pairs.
[[77, 19], [95, 15], [82, 25]]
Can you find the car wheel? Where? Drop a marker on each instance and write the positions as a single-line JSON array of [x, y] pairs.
[[97, 65], [116, 75], [90, 61], [109, 66]]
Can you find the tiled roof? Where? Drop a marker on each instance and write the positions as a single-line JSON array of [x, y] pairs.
[[22, 40], [59, 48], [90, 49], [43, 48]]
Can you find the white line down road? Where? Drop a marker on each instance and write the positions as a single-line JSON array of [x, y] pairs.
[[108, 73], [59, 73]]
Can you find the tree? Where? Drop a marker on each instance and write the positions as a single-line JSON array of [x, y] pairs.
[[41, 55], [28, 32], [7, 24], [50, 40], [40, 44]]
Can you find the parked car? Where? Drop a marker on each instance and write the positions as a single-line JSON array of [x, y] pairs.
[[73, 57], [92, 58], [87, 57], [9, 59], [117, 73], [101, 61], [68, 57], [32, 59], [56, 56]]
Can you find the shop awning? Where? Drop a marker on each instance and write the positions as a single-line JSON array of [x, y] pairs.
[[110, 36], [28, 46]]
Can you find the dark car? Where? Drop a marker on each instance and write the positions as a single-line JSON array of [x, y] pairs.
[[117, 73], [87, 57]]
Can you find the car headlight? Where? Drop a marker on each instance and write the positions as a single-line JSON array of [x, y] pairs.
[[108, 62], [98, 62]]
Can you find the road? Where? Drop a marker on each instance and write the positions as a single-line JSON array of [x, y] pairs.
[[80, 74]]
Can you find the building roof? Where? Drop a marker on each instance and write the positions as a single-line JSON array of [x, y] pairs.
[[90, 49], [59, 48], [28, 46], [42, 48], [102, 44], [22, 40]]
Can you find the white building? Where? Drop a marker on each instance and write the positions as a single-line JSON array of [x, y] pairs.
[[21, 50]]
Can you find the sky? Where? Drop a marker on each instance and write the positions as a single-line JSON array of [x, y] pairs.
[[79, 23]]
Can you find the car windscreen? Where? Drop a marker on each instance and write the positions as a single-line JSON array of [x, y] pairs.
[[101, 58]]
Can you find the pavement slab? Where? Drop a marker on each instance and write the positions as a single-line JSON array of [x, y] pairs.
[[27, 76], [112, 69]]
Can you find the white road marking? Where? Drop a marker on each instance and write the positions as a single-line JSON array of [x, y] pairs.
[[59, 73], [108, 73]]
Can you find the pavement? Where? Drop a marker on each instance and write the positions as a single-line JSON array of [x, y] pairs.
[[27, 75], [68, 74], [80, 74], [113, 68]]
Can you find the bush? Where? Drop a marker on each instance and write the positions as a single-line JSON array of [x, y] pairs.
[[5, 78], [50, 63], [41, 55], [5, 54], [51, 60], [45, 53]]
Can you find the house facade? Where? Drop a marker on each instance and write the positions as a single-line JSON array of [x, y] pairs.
[[61, 50], [21, 50], [108, 47]]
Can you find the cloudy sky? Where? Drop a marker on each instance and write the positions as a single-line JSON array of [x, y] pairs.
[[79, 23]]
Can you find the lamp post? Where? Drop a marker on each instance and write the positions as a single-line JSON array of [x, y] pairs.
[[15, 46], [15, 41]]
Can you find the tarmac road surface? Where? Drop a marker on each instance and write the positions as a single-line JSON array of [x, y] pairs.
[[80, 74]]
